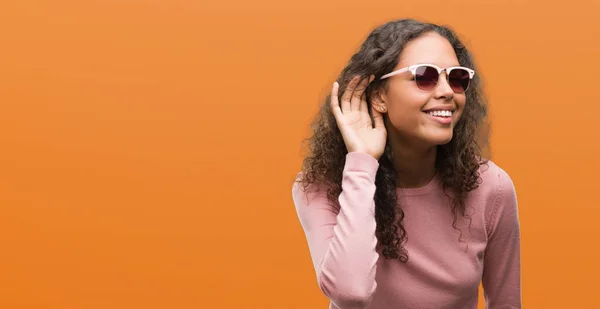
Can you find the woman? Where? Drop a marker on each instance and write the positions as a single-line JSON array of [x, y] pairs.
[[399, 208]]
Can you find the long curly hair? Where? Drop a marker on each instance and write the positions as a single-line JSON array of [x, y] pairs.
[[457, 162]]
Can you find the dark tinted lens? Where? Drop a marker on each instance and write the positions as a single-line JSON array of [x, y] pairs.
[[459, 80], [426, 77]]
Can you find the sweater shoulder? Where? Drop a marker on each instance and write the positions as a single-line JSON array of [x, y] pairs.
[[495, 192]]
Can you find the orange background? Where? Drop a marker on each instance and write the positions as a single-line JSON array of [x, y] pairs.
[[149, 147]]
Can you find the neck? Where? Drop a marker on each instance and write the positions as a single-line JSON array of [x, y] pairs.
[[415, 166]]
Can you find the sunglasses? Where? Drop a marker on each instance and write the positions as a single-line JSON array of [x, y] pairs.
[[427, 76]]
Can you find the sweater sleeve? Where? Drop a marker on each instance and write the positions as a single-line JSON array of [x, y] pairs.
[[342, 240], [502, 266]]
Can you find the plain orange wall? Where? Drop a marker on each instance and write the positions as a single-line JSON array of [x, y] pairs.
[[148, 147]]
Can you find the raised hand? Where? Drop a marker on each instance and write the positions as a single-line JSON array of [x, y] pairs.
[[352, 117]]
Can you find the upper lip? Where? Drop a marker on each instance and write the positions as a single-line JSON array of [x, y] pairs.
[[440, 108]]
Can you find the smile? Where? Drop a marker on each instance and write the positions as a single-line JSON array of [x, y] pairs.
[[442, 117], [440, 113]]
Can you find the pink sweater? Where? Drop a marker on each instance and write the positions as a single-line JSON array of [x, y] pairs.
[[441, 273]]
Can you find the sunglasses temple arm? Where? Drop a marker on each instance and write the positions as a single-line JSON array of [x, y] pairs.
[[394, 73]]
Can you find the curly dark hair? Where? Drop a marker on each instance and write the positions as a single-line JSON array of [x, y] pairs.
[[457, 162]]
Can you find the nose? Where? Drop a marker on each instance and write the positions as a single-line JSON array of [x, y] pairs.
[[443, 89]]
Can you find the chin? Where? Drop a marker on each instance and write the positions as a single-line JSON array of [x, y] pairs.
[[440, 139]]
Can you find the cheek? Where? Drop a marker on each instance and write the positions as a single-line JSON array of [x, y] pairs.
[[404, 99], [409, 99], [460, 103], [404, 112]]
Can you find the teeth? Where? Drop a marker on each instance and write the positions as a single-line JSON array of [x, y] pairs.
[[441, 113]]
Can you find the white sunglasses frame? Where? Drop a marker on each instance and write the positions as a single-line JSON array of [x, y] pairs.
[[413, 70]]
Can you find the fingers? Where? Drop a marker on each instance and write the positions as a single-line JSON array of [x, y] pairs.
[[363, 98], [363, 104], [347, 96], [377, 118], [358, 93]]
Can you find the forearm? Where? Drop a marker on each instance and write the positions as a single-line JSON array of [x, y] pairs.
[[347, 272]]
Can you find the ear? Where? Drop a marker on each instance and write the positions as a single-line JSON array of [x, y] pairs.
[[378, 100]]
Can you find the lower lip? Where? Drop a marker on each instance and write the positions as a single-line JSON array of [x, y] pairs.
[[442, 120]]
